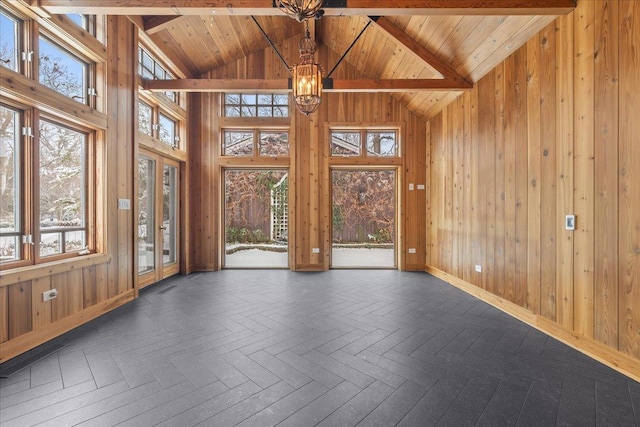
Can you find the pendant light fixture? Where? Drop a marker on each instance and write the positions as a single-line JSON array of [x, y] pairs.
[[306, 77], [300, 10]]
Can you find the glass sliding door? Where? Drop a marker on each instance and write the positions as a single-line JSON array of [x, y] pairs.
[[363, 213], [256, 212], [158, 201]]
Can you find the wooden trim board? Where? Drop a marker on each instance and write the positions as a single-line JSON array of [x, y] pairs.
[[610, 357]]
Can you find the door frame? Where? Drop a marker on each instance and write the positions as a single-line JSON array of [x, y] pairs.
[[161, 271]]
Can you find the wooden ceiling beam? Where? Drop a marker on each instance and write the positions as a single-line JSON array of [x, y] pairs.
[[154, 24], [353, 7], [281, 85], [419, 50]]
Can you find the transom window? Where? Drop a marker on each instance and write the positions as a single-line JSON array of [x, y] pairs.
[[167, 130], [364, 142], [150, 68], [62, 71], [152, 121], [256, 105], [145, 118], [9, 41], [255, 142]]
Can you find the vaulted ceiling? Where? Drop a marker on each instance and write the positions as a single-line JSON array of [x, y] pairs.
[[459, 40]]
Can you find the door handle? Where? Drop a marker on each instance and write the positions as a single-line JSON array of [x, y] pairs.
[[162, 227]]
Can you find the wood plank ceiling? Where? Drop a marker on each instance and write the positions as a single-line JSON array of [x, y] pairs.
[[470, 42]]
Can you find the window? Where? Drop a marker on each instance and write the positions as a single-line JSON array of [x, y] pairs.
[[150, 68], [377, 143], [9, 41], [81, 21], [62, 71], [62, 170], [44, 188], [167, 130], [242, 143], [145, 118], [237, 143], [256, 105], [10, 221]]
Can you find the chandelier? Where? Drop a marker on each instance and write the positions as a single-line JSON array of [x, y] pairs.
[[306, 78], [300, 9]]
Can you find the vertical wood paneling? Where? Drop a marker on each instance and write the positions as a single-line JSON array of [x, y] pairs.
[[520, 177], [70, 294], [428, 221], [499, 185], [629, 206], [510, 209], [557, 133], [468, 205], [606, 173], [475, 191], [534, 176], [4, 313], [564, 174], [457, 170], [19, 302], [584, 138], [41, 311], [549, 214], [486, 98], [90, 290]]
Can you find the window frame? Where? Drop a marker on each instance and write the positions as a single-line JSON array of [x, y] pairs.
[[19, 42], [29, 200], [364, 132], [257, 105], [256, 132], [88, 68]]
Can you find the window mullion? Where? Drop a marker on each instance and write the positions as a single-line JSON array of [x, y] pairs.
[[32, 186]]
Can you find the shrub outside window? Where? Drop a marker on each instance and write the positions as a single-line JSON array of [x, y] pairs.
[[62, 195], [237, 143], [273, 144], [364, 142]]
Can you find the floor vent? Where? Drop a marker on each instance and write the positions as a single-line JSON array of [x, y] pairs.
[[165, 290]]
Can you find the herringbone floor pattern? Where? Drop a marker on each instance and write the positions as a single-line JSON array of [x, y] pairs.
[[338, 348]]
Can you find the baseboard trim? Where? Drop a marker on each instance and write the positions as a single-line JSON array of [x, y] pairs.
[[610, 357], [30, 340]]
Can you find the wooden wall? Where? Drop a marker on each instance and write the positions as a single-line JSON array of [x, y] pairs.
[[553, 130], [310, 217], [92, 285]]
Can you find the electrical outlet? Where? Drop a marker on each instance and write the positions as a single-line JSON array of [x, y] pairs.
[[315, 250], [49, 295], [478, 268], [412, 250], [570, 222]]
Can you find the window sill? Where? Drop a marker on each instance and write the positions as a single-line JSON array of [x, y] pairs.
[[32, 272]]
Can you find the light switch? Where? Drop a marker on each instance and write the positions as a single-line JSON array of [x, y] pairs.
[[411, 186], [124, 204]]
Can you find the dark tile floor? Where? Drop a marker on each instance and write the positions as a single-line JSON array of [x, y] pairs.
[[339, 348]]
